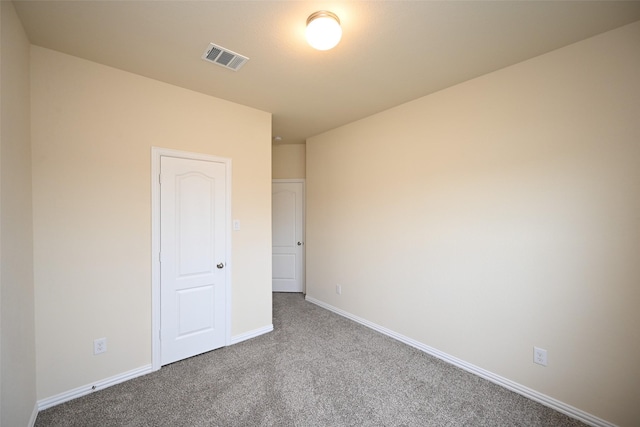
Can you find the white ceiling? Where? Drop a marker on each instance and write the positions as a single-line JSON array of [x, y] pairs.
[[391, 51]]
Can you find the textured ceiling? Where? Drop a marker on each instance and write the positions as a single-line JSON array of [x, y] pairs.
[[391, 51]]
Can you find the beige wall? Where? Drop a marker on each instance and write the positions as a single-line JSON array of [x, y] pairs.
[[92, 130], [288, 161], [17, 333], [496, 215]]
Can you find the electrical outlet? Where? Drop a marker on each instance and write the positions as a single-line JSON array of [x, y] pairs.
[[99, 346], [540, 356], [339, 289]]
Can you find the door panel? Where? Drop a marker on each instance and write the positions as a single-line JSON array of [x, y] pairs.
[[194, 224], [193, 242], [288, 236], [284, 215], [284, 266]]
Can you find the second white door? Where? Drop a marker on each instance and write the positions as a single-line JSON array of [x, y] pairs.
[[193, 250], [288, 236]]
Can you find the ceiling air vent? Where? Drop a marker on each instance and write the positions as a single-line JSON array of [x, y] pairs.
[[224, 57]]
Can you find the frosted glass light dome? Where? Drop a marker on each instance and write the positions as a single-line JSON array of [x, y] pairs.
[[323, 30]]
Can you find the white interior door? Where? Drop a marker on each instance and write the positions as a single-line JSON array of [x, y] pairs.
[[288, 236], [192, 261]]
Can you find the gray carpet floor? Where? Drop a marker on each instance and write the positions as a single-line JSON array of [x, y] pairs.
[[315, 369]]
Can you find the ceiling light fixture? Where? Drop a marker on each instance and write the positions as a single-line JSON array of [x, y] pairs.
[[323, 30]]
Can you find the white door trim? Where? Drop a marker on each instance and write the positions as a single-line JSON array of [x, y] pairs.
[[156, 153], [304, 230]]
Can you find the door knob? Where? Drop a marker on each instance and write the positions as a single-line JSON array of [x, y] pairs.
[[299, 243], [221, 265]]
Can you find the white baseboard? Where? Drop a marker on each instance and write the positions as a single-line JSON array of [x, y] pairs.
[[34, 415], [251, 334], [89, 388], [496, 379]]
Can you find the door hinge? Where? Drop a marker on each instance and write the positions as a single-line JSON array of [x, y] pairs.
[[160, 179]]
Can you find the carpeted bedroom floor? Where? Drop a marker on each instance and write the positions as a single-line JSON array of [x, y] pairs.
[[315, 369]]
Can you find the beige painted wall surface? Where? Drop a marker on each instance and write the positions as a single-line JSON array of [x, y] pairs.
[[288, 161], [93, 128], [17, 329], [496, 215]]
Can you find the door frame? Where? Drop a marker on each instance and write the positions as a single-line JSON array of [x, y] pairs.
[[304, 221], [156, 154]]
